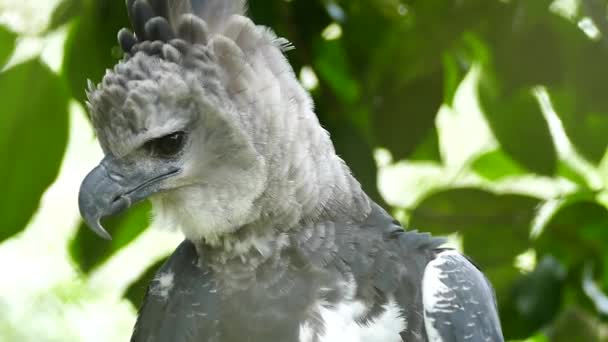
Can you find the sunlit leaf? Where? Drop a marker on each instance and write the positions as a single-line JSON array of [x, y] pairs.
[[519, 125], [495, 165], [573, 175], [33, 137], [584, 125], [454, 74], [458, 61], [89, 251], [539, 337]]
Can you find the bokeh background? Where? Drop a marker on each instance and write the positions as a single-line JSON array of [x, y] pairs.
[[482, 120]]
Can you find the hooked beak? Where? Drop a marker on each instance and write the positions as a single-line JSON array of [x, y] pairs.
[[114, 186]]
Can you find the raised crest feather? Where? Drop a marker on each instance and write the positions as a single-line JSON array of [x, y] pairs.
[[213, 12]]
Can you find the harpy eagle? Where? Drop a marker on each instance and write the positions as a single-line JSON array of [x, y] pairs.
[[205, 117]]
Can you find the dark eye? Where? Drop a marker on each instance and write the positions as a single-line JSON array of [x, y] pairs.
[[167, 146]]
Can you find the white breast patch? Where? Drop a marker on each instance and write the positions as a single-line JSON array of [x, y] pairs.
[[341, 323]]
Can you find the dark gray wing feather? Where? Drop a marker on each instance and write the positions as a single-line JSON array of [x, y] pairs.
[[459, 303], [186, 303], [179, 303]]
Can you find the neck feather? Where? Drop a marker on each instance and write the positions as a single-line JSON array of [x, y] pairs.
[[307, 184]]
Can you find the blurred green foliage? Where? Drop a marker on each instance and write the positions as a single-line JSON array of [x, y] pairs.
[[33, 136], [383, 78]]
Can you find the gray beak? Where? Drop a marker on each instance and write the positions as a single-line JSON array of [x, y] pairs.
[[114, 186]]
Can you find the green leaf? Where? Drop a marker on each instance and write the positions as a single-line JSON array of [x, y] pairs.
[[7, 44], [406, 94], [526, 44], [503, 278], [533, 46], [576, 233], [534, 300], [519, 125], [89, 251], [473, 212], [494, 228], [33, 137], [454, 74], [137, 290], [428, 149], [401, 108], [458, 60], [584, 124], [566, 171], [539, 337], [575, 324], [64, 12], [332, 66], [398, 58], [91, 42], [495, 165]]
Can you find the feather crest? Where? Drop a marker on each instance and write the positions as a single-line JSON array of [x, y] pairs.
[[213, 12]]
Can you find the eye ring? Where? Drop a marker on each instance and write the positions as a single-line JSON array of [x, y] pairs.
[[167, 146]]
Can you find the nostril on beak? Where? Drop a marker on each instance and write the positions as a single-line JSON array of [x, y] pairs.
[[113, 175], [116, 177]]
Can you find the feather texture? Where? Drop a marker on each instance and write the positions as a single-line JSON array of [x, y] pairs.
[[214, 12], [459, 304], [330, 281]]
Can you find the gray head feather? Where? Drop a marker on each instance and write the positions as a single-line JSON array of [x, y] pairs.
[[259, 157], [214, 12]]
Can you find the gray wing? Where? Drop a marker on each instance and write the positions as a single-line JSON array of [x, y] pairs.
[[179, 303], [459, 304], [186, 303]]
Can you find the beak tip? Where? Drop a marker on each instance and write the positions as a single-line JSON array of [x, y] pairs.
[[98, 229], [106, 236]]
